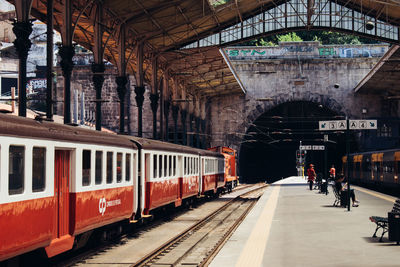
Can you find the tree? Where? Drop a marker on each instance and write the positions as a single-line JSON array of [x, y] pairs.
[[290, 37]]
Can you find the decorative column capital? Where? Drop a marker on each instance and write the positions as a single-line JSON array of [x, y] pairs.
[[175, 111], [22, 30], [98, 76], [166, 107], [121, 86], [154, 102], [183, 114], [139, 90], [66, 53]]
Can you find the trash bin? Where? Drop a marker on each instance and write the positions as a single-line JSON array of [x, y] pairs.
[[324, 186], [394, 226]]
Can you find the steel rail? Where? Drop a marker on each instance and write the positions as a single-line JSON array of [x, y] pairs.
[[184, 235]]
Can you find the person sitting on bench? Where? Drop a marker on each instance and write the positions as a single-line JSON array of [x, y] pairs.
[[342, 188]]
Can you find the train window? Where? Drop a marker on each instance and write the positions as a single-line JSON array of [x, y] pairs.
[[38, 169], [154, 166], [170, 166], [174, 165], [187, 166], [160, 166], [127, 167], [165, 165], [191, 165], [119, 167], [184, 168], [16, 170], [86, 167], [110, 167], [99, 167]]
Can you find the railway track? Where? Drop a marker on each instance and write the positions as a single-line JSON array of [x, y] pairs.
[[79, 258], [198, 245]]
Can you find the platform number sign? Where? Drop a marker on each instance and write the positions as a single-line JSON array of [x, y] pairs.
[[339, 125]]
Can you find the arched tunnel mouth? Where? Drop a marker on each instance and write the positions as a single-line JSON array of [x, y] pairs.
[[268, 150]]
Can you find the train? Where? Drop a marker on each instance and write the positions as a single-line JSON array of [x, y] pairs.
[[231, 178], [379, 170], [59, 184]]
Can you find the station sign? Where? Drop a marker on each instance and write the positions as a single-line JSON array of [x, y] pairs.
[[363, 124], [314, 147], [339, 125]]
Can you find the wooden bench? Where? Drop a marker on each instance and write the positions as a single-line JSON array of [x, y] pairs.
[[383, 222]]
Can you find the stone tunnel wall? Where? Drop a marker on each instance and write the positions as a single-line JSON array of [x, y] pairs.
[[285, 80]]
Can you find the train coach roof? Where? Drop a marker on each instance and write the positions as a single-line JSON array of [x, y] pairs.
[[150, 144], [23, 127]]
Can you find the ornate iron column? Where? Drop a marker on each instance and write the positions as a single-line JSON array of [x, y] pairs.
[[154, 107], [167, 104], [49, 61], [203, 131], [98, 67], [175, 110], [22, 30], [197, 124], [98, 80], [121, 89], [191, 117], [67, 53], [139, 90], [183, 120]]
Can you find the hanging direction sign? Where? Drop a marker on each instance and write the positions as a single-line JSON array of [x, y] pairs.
[[340, 125], [332, 125], [363, 124], [309, 147]]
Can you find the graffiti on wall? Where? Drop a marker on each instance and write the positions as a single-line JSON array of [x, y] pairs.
[[296, 50]]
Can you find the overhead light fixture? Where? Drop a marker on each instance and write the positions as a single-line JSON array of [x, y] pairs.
[[336, 85], [265, 99], [369, 25]]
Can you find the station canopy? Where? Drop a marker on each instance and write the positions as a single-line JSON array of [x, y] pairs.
[[384, 78], [166, 26]]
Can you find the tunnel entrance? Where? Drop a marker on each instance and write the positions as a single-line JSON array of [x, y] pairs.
[[268, 150]]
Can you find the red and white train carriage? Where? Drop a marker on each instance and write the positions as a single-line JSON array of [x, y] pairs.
[[58, 183], [174, 173]]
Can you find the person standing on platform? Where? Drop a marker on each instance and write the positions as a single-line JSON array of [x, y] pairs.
[[311, 175], [332, 172]]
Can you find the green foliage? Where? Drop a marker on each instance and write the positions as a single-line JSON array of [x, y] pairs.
[[290, 37], [324, 37]]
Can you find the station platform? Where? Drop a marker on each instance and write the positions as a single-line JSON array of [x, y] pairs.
[[293, 226]]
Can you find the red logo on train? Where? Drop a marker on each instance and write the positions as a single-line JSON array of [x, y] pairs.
[[102, 205]]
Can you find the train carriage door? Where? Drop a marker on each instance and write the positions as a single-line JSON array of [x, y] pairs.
[[62, 175], [202, 173], [177, 172], [62, 238]]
